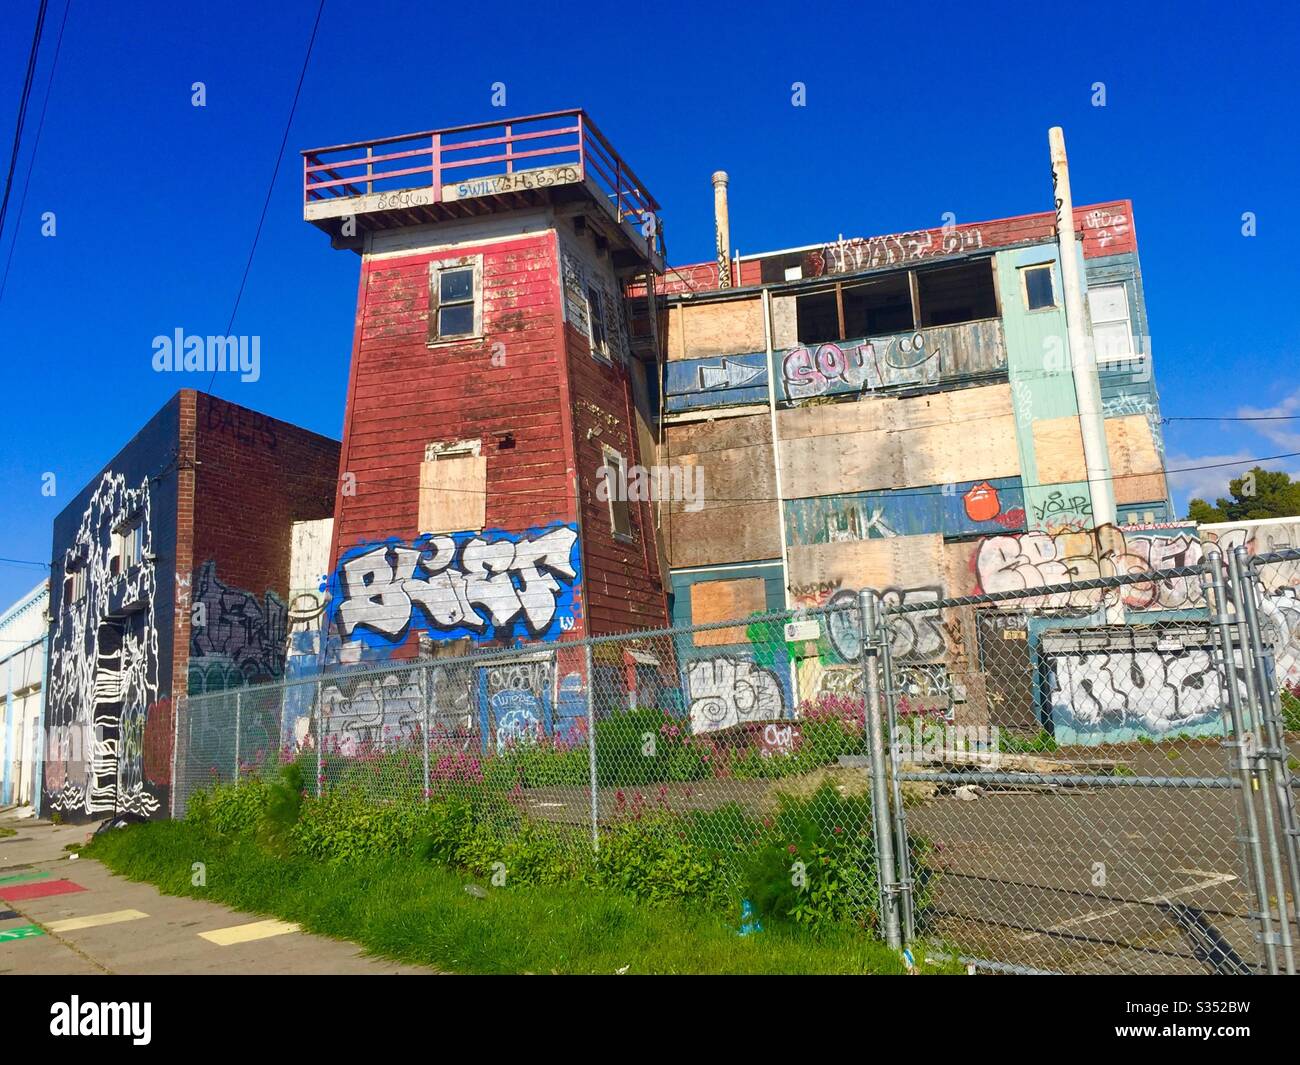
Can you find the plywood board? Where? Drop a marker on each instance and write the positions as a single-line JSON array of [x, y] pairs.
[[1058, 450], [946, 438], [730, 327], [901, 562], [1135, 462], [722, 601], [691, 437], [742, 532], [453, 494]]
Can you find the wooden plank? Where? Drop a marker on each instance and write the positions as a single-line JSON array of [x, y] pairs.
[[695, 437], [1058, 450], [723, 601]]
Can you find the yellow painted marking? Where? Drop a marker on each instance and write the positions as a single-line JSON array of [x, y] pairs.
[[243, 933], [94, 920]]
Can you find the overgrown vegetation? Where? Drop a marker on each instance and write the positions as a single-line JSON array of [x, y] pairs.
[[419, 911], [808, 869]]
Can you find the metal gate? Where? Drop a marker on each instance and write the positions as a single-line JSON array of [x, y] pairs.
[[1113, 787]]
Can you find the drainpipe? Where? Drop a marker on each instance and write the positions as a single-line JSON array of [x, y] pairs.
[[722, 228], [1083, 356]]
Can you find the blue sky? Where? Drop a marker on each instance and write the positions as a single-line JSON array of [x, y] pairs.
[[911, 112]]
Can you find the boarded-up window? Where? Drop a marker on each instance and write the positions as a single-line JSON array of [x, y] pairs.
[[726, 601], [453, 488]]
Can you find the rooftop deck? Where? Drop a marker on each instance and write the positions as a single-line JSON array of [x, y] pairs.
[[466, 171]]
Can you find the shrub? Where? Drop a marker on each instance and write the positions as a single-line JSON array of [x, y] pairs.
[[346, 823], [656, 858], [817, 865], [229, 809]]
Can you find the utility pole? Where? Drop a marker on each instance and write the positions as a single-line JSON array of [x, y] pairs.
[[1083, 356]]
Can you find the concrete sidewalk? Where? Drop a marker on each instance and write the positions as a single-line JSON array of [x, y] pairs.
[[59, 916]]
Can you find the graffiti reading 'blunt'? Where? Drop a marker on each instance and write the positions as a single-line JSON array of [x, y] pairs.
[[465, 585], [727, 691]]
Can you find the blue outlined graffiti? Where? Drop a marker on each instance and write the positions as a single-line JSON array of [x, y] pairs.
[[489, 586]]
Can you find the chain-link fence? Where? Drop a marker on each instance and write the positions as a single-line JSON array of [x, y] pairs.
[[1111, 799], [1058, 778]]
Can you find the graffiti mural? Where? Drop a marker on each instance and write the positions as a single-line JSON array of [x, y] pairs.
[[867, 253], [493, 585], [1100, 693], [987, 506], [518, 697], [235, 638], [1039, 559], [906, 359], [716, 382], [104, 659], [729, 690], [916, 636]]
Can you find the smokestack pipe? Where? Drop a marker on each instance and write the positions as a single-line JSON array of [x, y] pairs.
[[722, 228]]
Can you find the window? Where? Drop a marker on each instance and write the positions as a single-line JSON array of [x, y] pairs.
[[614, 473], [1037, 284], [883, 305], [596, 319], [961, 293], [74, 586], [1112, 332], [455, 299], [877, 308], [128, 543], [818, 317]]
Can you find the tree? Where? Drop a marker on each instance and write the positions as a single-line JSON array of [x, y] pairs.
[[1260, 493]]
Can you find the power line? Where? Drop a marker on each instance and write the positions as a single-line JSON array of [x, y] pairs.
[[411, 478], [1235, 418], [271, 186], [23, 562], [23, 99], [36, 144]]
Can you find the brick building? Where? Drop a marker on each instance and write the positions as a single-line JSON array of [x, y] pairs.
[[169, 575]]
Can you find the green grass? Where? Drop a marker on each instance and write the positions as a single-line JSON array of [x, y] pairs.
[[8, 832], [419, 912]]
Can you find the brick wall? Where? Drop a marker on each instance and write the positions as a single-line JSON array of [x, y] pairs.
[[255, 476]]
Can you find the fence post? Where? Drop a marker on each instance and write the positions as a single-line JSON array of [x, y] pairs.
[[1274, 750], [1240, 593], [238, 707], [867, 627], [424, 727], [1252, 854], [903, 853], [591, 746], [320, 740]]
